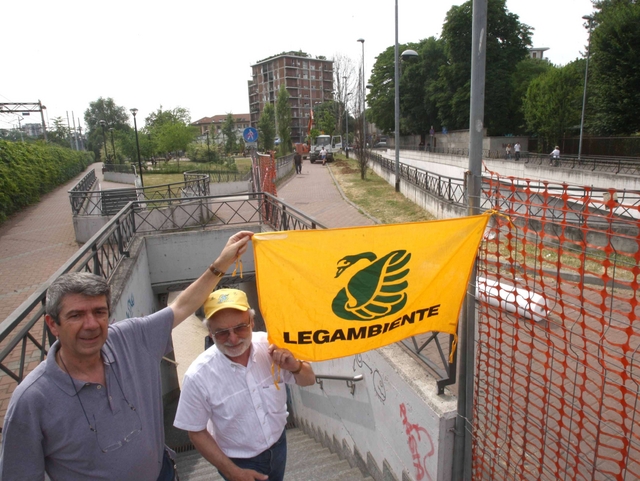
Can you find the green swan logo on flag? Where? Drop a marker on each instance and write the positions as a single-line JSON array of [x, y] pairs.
[[376, 290]]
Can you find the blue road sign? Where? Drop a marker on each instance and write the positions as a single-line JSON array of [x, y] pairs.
[[250, 134]]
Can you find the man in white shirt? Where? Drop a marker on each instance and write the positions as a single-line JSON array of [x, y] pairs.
[[555, 156], [233, 400], [516, 149]]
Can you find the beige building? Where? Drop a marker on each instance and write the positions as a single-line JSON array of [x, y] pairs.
[[308, 81], [214, 126]]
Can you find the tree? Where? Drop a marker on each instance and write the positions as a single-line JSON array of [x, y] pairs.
[[552, 106], [229, 131], [283, 113], [266, 128], [507, 44], [615, 78], [326, 117], [174, 137], [525, 72], [418, 109], [60, 134], [169, 131], [344, 83], [103, 109]]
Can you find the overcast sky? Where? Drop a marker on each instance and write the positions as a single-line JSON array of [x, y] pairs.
[[197, 54]]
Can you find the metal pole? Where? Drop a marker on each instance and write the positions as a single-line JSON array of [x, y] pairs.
[[75, 132], [69, 128], [462, 464], [397, 103], [113, 146], [135, 126], [364, 121], [44, 126], [584, 93], [104, 139], [208, 148]]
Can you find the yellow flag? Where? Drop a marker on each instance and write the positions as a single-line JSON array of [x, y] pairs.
[[331, 293]]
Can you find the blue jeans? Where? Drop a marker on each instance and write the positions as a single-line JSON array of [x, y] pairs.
[[271, 462]]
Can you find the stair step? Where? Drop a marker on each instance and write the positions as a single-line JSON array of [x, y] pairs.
[[307, 460]]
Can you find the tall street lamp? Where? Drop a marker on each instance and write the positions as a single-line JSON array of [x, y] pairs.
[[346, 115], [405, 55], [135, 126], [589, 19], [364, 122], [208, 147], [104, 140], [113, 146]]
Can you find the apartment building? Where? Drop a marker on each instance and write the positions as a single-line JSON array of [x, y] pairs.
[[308, 81]]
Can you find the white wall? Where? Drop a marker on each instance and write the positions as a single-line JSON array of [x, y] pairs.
[[395, 414]]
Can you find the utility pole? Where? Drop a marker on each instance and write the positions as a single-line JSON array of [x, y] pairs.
[[25, 108]]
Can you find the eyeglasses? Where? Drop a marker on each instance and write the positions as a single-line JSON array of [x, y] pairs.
[[239, 330], [105, 435]]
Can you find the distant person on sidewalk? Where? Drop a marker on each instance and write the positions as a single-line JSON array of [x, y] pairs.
[[508, 151], [323, 155], [93, 408], [233, 400], [516, 149], [297, 160], [554, 156]]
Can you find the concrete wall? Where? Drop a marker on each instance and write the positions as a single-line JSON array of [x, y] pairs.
[[120, 177], [394, 423], [229, 188]]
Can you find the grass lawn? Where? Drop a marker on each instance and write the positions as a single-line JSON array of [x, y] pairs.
[[375, 195]]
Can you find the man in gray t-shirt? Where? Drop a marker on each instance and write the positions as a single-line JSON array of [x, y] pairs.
[[93, 408]]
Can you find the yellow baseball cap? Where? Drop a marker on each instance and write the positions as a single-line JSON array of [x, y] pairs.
[[225, 299]]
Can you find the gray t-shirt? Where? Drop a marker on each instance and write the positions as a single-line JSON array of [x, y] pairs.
[[45, 427]]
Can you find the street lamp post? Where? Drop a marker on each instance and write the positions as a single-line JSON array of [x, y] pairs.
[[104, 139], [364, 122], [208, 147], [405, 54], [346, 114], [113, 146], [586, 73], [135, 126]]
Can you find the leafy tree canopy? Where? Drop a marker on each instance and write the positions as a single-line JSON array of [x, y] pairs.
[[283, 114], [615, 78], [267, 128]]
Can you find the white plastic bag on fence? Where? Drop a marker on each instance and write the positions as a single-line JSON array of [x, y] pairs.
[[521, 301]]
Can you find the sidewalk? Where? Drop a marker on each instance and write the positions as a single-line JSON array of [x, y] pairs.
[[35, 242], [315, 193]]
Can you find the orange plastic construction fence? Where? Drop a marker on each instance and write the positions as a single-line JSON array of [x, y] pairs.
[[557, 363]]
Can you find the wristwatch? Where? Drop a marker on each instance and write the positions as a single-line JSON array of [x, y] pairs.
[[215, 271]]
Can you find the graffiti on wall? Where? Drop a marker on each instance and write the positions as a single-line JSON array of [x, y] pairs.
[[131, 302], [378, 381], [420, 444]]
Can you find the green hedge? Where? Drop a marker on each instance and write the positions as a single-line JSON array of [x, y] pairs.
[[28, 170]]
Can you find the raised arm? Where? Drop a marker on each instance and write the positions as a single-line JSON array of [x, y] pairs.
[[194, 296]]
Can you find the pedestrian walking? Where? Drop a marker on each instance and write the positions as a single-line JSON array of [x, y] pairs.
[[297, 160], [516, 149]]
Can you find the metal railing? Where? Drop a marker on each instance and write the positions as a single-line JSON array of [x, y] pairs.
[[108, 202], [80, 192], [23, 337], [350, 380], [615, 165]]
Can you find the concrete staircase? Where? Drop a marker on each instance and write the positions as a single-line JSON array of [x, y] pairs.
[[307, 460]]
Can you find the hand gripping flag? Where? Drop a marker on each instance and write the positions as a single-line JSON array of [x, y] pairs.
[[331, 293]]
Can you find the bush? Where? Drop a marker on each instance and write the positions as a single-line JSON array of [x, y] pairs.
[[28, 170], [197, 152]]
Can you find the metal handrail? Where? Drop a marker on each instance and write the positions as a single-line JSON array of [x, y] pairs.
[[350, 380], [103, 253]]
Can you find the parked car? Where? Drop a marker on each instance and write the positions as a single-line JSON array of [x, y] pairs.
[[380, 145]]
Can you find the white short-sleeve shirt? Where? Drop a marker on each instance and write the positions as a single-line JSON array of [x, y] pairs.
[[240, 406]]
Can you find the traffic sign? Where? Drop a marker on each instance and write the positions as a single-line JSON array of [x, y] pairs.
[[250, 134]]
